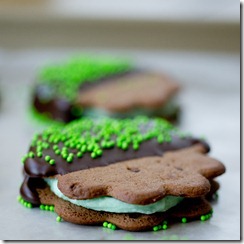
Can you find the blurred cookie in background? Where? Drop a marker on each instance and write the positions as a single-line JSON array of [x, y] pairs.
[[98, 87]]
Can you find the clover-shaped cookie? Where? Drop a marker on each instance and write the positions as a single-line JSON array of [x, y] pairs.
[[182, 173]]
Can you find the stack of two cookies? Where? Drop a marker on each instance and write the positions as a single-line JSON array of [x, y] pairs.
[[135, 173]]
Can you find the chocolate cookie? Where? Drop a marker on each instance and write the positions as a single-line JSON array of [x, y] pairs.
[[136, 172], [187, 210], [103, 87]]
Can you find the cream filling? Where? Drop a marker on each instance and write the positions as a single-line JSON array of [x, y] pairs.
[[110, 204], [166, 110]]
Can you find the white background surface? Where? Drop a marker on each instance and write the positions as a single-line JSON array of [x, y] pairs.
[[210, 101]]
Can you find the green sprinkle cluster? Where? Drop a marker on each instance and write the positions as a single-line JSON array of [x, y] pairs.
[[72, 141], [66, 79], [47, 207], [163, 226], [202, 217], [109, 225], [28, 155], [206, 216], [24, 203]]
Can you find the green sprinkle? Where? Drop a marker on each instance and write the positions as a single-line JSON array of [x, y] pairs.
[[83, 148], [39, 149], [39, 154], [93, 155], [165, 227], [113, 227], [135, 146], [42, 207], [55, 147], [67, 143], [109, 225], [71, 155], [52, 162], [110, 144], [79, 154], [45, 145], [160, 139], [99, 152], [31, 154], [203, 218], [184, 220], [124, 146], [23, 159], [29, 205], [47, 158], [69, 159], [64, 155], [58, 219], [155, 228], [90, 147], [51, 208], [78, 146], [104, 144], [105, 224]]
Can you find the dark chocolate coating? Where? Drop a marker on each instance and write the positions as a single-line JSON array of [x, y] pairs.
[[58, 109], [36, 168]]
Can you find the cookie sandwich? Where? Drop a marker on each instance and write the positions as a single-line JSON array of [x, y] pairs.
[[98, 87], [134, 174]]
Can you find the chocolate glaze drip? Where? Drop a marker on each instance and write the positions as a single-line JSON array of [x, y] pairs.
[[36, 168], [28, 189], [55, 108]]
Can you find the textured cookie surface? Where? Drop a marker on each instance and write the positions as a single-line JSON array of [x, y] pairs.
[[142, 181], [135, 90], [189, 208]]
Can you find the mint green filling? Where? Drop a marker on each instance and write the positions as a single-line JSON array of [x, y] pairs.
[[168, 109], [110, 204]]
